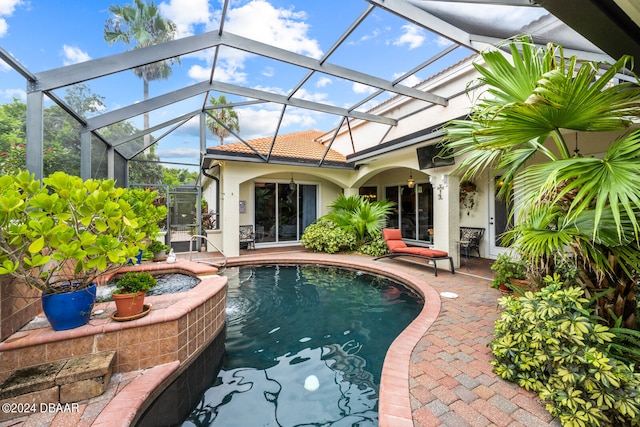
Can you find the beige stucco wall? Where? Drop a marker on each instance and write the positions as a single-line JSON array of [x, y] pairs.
[[237, 183]]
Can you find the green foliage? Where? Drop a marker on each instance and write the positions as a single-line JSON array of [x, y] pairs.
[[376, 246], [505, 267], [65, 229], [324, 236], [359, 215], [549, 342], [134, 282], [157, 246], [534, 103], [148, 214], [222, 118]]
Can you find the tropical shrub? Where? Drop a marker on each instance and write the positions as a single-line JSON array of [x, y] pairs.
[[60, 233], [376, 246], [588, 208], [359, 215], [549, 342], [324, 236], [506, 267]]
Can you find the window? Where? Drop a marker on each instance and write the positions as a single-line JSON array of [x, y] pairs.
[[413, 214], [283, 211]]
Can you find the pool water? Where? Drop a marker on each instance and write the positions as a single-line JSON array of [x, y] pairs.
[[169, 283], [290, 325]]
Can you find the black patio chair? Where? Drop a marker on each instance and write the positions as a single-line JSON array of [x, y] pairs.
[[470, 238]]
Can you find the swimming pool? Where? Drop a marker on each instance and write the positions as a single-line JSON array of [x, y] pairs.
[[305, 347]]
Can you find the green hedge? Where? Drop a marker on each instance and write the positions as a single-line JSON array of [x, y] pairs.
[[324, 236]]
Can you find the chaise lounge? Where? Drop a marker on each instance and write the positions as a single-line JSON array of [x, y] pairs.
[[397, 247]]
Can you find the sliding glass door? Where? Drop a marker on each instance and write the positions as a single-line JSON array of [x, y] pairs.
[[414, 210], [283, 211]]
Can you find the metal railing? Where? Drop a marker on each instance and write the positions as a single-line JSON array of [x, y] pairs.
[[191, 251]]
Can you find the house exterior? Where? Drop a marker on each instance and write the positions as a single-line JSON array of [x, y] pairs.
[[310, 169]]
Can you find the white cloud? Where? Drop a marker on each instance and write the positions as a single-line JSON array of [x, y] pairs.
[[268, 72], [283, 28], [443, 42], [224, 73], [173, 153], [360, 88], [73, 55], [260, 122], [187, 15], [311, 96], [410, 81], [13, 93], [412, 36], [323, 82], [7, 7]]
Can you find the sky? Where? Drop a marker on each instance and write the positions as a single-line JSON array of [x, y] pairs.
[[47, 34]]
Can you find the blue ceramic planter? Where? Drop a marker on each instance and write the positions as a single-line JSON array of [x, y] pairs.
[[69, 310]]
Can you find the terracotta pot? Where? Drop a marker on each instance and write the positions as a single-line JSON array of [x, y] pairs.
[[128, 305], [505, 289]]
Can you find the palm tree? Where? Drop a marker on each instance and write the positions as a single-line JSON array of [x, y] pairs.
[[360, 215], [585, 209], [142, 23], [223, 114]]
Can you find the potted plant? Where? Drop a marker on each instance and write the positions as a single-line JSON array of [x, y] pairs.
[[468, 190], [159, 250], [57, 235], [510, 274], [130, 292]]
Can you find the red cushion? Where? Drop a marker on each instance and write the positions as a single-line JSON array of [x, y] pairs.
[[431, 253], [434, 253], [393, 237]]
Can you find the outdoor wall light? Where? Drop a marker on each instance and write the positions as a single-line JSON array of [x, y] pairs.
[[411, 182], [292, 184]]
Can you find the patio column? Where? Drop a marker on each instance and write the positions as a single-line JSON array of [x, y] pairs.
[[446, 215], [229, 212]]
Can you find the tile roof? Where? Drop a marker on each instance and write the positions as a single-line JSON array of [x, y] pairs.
[[293, 146]]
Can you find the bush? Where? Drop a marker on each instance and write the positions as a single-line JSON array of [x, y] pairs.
[[505, 267], [324, 236], [549, 342], [376, 247], [134, 282]]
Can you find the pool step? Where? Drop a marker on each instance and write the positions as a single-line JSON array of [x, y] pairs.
[[55, 385]]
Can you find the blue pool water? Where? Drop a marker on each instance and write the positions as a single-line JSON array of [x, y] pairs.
[[288, 323]]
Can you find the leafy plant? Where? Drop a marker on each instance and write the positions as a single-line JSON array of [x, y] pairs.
[[134, 282], [587, 206], [468, 190], [324, 236], [357, 214], [505, 267], [376, 247], [549, 342], [149, 214], [157, 246], [58, 235]]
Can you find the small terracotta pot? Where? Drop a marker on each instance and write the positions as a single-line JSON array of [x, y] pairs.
[[128, 305]]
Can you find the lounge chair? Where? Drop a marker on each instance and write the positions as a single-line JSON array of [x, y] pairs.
[[397, 247]]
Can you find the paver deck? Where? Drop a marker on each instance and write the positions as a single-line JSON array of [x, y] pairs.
[[437, 372]]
